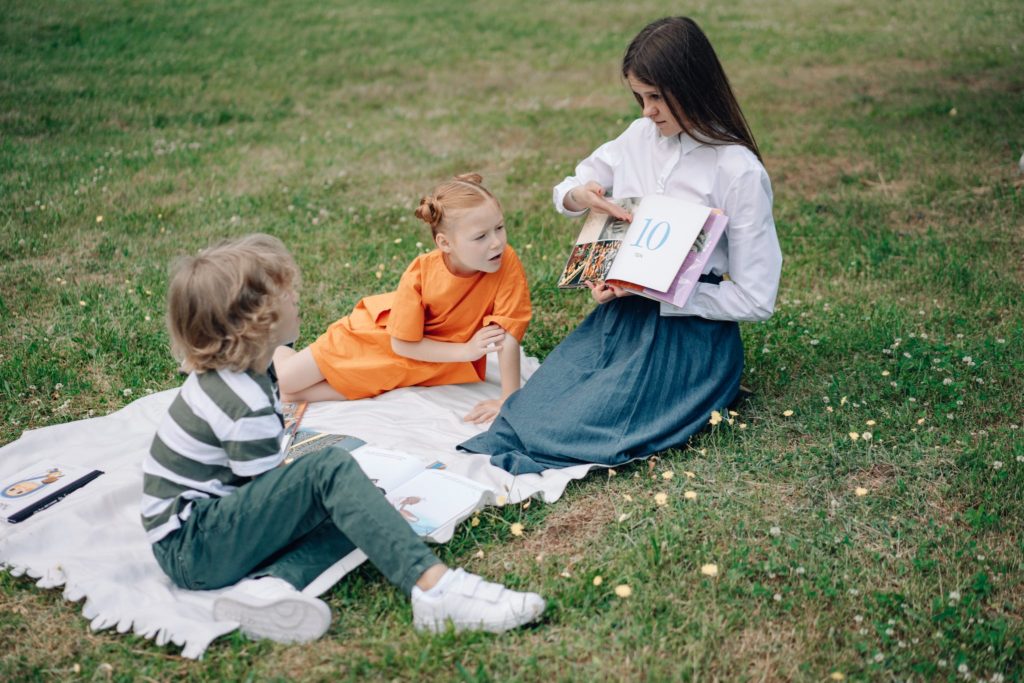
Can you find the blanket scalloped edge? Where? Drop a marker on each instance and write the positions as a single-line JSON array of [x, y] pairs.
[[191, 636]]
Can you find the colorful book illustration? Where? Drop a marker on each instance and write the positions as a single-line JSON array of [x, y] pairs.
[[38, 487], [428, 497], [660, 254]]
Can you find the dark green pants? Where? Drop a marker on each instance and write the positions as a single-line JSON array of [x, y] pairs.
[[293, 522]]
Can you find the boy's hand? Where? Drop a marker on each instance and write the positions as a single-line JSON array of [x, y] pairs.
[[484, 411], [486, 340], [604, 292]]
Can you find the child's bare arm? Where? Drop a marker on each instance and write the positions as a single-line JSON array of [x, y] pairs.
[[486, 340], [508, 363]]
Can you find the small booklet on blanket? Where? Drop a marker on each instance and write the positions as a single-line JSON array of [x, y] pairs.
[[429, 498], [38, 487], [660, 255]]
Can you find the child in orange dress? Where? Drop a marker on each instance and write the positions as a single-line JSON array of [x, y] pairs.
[[453, 306]]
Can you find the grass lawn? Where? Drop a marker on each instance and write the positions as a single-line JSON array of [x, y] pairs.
[[864, 509]]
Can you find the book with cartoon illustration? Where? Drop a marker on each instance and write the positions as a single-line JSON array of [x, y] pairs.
[[38, 487], [429, 498], [660, 254]]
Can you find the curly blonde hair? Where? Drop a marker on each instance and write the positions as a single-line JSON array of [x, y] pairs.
[[223, 303], [461, 192]]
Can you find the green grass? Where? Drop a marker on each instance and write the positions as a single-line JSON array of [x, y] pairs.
[[892, 134]]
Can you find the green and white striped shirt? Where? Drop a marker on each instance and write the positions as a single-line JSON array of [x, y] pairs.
[[222, 429]]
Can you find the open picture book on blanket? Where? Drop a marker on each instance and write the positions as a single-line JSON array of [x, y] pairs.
[[660, 254], [428, 497]]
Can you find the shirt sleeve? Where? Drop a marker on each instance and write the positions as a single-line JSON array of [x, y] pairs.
[[599, 167], [755, 259], [407, 318], [512, 308]]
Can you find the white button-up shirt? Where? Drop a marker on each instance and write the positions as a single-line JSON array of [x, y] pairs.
[[641, 162]]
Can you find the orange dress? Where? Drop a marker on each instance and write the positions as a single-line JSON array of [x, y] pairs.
[[355, 355]]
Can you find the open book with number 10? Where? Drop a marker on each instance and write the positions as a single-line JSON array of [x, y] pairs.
[[660, 254]]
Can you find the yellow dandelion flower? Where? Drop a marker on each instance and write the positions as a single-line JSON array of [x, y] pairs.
[[500, 500], [479, 554], [870, 423], [475, 521], [920, 421], [860, 491], [99, 219], [716, 417], [516, 529], [709, 569], [885, 373], [667, 475], [527, 503], [628, 498], [690, 495], [733, 413], [743, 425], [828, 409], [398, 240], [854, 436], [379, 274], [81, 303], [837, 676], [612, 473], [689, 474], [623, 591], [843, 401], [623, 517], [661, 498], [787, 413], [598, 580]]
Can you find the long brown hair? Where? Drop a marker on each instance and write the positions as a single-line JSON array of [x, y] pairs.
[[674, 56]]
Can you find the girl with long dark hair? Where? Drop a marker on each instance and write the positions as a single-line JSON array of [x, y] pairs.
[[637, 377]]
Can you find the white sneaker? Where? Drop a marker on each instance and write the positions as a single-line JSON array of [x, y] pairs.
[[272, 608], [470, 603]]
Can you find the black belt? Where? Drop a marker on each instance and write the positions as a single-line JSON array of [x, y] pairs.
[[710, 279]]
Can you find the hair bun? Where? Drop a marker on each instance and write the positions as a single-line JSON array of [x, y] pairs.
[[430, 211], [475, 178]]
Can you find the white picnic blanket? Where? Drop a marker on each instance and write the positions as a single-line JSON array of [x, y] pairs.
[[92, 542]]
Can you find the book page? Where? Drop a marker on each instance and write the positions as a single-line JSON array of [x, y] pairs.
[[596, 247], [387, 469], [657, 241], [434, 499]]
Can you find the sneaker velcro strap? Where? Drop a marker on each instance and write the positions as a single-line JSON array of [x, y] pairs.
[[489, 591]]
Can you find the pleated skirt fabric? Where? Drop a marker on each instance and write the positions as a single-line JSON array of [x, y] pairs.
[[625, 384]]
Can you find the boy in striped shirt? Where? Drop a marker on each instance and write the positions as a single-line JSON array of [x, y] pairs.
[[220, 508]]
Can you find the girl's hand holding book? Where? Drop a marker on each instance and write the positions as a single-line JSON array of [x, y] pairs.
[[604, 292]]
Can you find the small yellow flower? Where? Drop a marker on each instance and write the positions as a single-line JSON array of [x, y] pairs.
[[81, 303], [99, 219], [733, 413], [500, 500], [527, 503], [598, 580], [479, 554], [379, 274], [623, 517], [475, 521], [660, 498], [828, 409], [843, 401], [860, 491], [628, 498], [398, 240], [689, 474], [623, 591], [690, 495], [837, 676], [716, 417], [885, 373], [516, 529], [787, 413], [743, 425], [667, 475], [612, 473], [870, 423], [920, 421], [709, 569], [854, 436]]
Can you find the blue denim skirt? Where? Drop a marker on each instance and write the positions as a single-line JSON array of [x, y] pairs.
[[625, 384]]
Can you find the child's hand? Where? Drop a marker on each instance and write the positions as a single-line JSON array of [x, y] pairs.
[[604, 292], [591, 196], [484, 411], [486, 340]]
